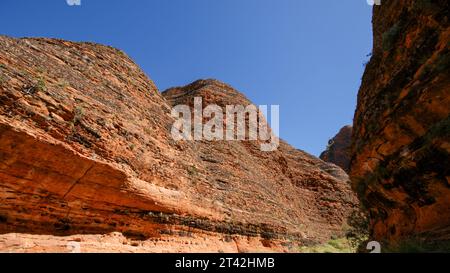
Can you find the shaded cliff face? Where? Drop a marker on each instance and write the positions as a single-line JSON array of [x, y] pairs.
[[338, 150], [86, 155], [400, 154]]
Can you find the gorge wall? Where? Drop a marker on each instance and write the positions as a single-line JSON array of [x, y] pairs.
[[86, 156], [338, 149], [401, 138]]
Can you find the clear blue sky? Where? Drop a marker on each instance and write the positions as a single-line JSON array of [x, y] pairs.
[[305, 55]]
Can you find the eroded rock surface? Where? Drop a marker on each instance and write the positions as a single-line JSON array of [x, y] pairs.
[[400, 153], [86, 155], [338, 150]]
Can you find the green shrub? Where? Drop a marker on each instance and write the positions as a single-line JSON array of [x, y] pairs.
[[358, 230], [41, 85]]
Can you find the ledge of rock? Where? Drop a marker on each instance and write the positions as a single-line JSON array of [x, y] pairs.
[[86, 155]]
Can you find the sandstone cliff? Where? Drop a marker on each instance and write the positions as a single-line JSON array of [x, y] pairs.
[[400, 154], [338, 150], [86, 155]]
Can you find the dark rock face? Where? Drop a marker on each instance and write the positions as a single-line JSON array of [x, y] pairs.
[[400, 153], [338, 150], [86, 152]]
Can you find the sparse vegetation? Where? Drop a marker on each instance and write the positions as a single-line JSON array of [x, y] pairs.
[[78, 115], [41, 84], [358, 229], [340, 245], [62, 84], [40, 70], [101, 122], [147, 130], [22, 73], [192, 170]]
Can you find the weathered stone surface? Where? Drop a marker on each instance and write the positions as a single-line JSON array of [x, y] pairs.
[[338, 150], [400, 154], [86, 154]]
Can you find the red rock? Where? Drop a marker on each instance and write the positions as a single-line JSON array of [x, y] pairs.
[[338, 150], [400, 151], [86, 154]]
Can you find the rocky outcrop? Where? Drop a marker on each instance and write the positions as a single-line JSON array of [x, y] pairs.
[[338, 149], [86, 156], [400, 152]]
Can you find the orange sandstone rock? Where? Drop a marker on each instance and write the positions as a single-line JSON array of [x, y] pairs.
[[400, 152], [86, 155]]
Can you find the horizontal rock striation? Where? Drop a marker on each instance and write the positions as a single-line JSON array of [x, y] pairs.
[[86, 155]]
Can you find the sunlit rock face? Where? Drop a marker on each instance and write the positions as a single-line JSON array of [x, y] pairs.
[[86, 156], [400, 152]]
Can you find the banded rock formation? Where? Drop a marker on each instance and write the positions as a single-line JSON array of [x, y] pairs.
[[86, 156], [401, 138]]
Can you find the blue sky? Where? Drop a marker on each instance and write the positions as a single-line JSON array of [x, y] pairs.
[[305, 55]]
